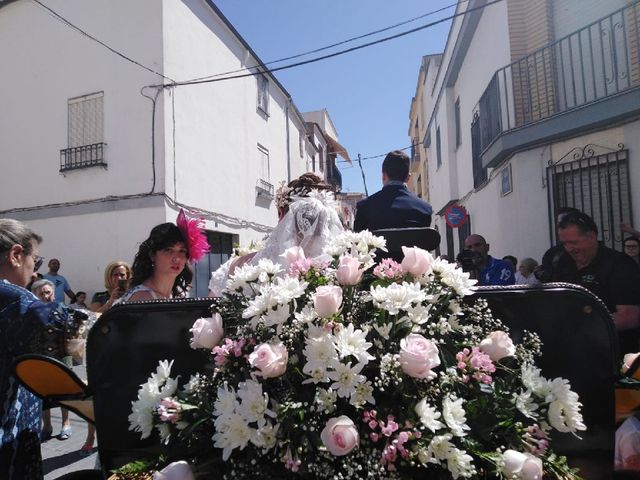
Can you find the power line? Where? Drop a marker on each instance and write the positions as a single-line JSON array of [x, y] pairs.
[[381, 154], [337, 44], [111, 49], [262, 70]]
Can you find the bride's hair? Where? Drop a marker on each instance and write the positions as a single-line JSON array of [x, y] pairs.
[[161, 236], [299, 187]]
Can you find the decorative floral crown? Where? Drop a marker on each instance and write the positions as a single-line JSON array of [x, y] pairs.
[[193, 233], [285, 194]]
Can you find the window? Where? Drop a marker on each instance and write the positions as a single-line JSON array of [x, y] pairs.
[[85, 133], [263, 159], [263, 93], [221, 248], [457, 116], [438, 149]]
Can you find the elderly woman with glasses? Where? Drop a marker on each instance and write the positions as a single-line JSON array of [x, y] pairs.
[[22, 319]]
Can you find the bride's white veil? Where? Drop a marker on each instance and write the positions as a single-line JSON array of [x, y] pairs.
[[310, 223]]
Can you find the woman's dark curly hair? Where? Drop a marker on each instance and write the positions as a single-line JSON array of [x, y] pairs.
[[161, 236]]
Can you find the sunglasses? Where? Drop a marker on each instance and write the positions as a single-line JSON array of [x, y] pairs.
[[37, 262]]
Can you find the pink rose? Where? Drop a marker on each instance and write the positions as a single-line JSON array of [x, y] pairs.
[[292, 255], [498, 345], [327, 300], [207, 332], [418, 356], [340, 435], [416, 261], [349, 272], [522, 466], [175, 471], [271, 359]]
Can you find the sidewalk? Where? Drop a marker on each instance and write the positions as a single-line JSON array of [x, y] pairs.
[[60, 457]]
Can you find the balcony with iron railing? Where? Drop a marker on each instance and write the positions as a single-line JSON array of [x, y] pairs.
[[264, 189], [85, 156], [588, 78]]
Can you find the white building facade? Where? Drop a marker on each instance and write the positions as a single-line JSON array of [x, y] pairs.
[[96, 149], [534, 106]]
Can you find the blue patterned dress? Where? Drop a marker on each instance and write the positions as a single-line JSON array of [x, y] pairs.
[[22, 318]]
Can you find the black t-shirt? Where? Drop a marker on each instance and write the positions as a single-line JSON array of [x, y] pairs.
[[612, 276]]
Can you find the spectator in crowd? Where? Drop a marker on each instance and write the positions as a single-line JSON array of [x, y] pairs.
[[22, 318], [44, 290], [117, 276], [160, 267], [609, 274], [61, 284], [524, 275], [80, 304], [631, 247], [512, 260], [491, 271], [394, 206], [554, 259]]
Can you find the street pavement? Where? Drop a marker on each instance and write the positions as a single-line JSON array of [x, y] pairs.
[[63, 456]]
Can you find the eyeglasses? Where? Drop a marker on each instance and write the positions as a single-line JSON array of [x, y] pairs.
[[37, 262]]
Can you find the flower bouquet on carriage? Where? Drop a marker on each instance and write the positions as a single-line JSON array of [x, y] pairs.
[[332, 367]]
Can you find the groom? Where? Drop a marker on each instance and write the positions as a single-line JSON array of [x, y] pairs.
[[394, 206]]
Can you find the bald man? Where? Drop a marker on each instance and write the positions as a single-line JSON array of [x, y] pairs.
[[492, 271]]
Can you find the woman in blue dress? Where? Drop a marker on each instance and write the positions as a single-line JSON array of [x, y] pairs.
[[24, 321]]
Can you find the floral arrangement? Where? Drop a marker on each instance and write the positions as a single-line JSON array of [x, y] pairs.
[[327, 368]]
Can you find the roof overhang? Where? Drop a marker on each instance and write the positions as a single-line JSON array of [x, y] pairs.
[[335, 147]]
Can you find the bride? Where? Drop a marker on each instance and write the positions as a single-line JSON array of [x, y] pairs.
[[307, 218]]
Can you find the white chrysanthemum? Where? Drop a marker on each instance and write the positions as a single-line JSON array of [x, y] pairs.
[[320, 349], [419, 314], [439, 449], [535, 382], [460, 464], [429, 415], [242, 277], [351, 342], [225, 403], [234, 433], [254, 403], [266, 436], [158, 386], [564, 410], [267, 269], [326, 399], [383, 330], [193, 382], [346, 378], [307, 315], [287, 288], [317, 372], [525, 404], [459, 281], [277, 316], [362, 395], [397, 296], [164, 431], [454, 415]]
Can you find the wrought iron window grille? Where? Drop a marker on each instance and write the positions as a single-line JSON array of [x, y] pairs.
[[264, 189], [85, 156]]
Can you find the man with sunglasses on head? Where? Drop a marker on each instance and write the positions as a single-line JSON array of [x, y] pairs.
[[61, 283], [609, 274]]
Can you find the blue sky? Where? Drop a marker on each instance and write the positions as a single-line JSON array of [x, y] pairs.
[[367, 92]]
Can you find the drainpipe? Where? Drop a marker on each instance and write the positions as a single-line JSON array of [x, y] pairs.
[[288, 146]]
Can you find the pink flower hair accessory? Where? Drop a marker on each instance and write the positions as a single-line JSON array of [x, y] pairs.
[[193, 234]]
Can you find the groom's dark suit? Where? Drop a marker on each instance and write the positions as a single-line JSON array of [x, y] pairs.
[[392, 207]]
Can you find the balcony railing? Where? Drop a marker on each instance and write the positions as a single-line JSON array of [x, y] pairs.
[[264, 188], [598, 61], [82, 157]]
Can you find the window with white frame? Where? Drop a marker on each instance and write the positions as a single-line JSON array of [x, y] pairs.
[[86, 120], [85, 133], [263, 159], [263, 93]]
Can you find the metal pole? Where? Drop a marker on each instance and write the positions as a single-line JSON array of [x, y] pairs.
[[364, 181]]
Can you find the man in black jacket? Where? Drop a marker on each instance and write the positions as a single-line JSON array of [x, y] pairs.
[[394, 206]]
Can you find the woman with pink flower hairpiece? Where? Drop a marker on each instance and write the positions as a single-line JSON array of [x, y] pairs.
[[160, 268]]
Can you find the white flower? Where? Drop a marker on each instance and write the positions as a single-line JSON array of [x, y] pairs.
[[383, 330], [454, 415], [287, 288], [397, 296], [521, 466], [225, 404], [266, 436], [350, 342], [320, 349], [277, 316], [533, 381], [362, 395], [326, 399], [564, 409], [460, 464], [242, 276], [439, 449], [254, 403], [193, 382], [346, 378], [525, 404], [419, 314], [428, 415], [234, 433], [317, 371]]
